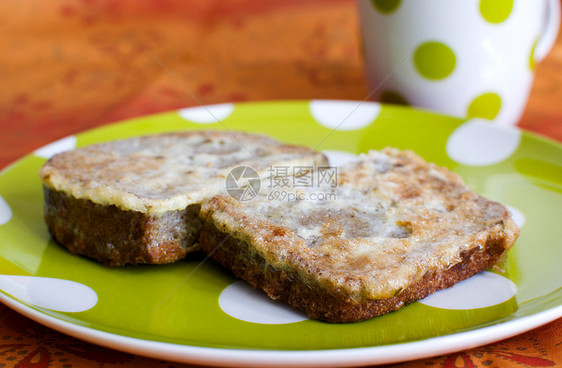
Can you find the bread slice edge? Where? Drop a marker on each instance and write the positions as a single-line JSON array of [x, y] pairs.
[[320, 302]]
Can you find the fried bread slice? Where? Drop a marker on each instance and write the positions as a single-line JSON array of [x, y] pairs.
[[137, 200], [394, 230]]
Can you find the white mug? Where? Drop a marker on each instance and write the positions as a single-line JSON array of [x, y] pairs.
[[466, 58]]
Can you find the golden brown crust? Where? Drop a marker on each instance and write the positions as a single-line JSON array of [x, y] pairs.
[[137, 200], [117, 237], [166, 172], [321, 302], [399, 230]]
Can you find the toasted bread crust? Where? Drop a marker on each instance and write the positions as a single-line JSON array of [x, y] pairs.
[[401, 230], [116, 237], [323, 303], [158, 173], [137, 200]]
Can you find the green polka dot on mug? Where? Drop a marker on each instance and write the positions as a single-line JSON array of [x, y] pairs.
[[496, 11], [485, 106], [532, 56], [386, 6], [393, 97], [434, 60]]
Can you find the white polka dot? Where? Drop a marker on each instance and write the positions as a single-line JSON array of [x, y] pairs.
[[344, 115], [5, 211], [479, 142], [59, 146], [339, 158], [517, 216], [54, 294], [482, 290], [207, 114], [242, 302]]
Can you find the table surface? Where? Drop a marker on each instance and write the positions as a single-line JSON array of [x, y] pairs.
[[67, 66]]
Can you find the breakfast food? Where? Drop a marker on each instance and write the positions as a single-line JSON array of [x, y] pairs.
[[393, 230], [137, 200]]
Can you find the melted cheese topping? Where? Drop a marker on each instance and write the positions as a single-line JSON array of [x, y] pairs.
[[391, 219], [161, 173]]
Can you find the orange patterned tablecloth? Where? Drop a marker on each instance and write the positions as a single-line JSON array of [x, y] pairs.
[[69, 65]]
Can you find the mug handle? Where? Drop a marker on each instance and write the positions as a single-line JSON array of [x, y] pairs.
[[548, 38]]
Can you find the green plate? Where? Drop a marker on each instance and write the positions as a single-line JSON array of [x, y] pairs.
[[195, 311]]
